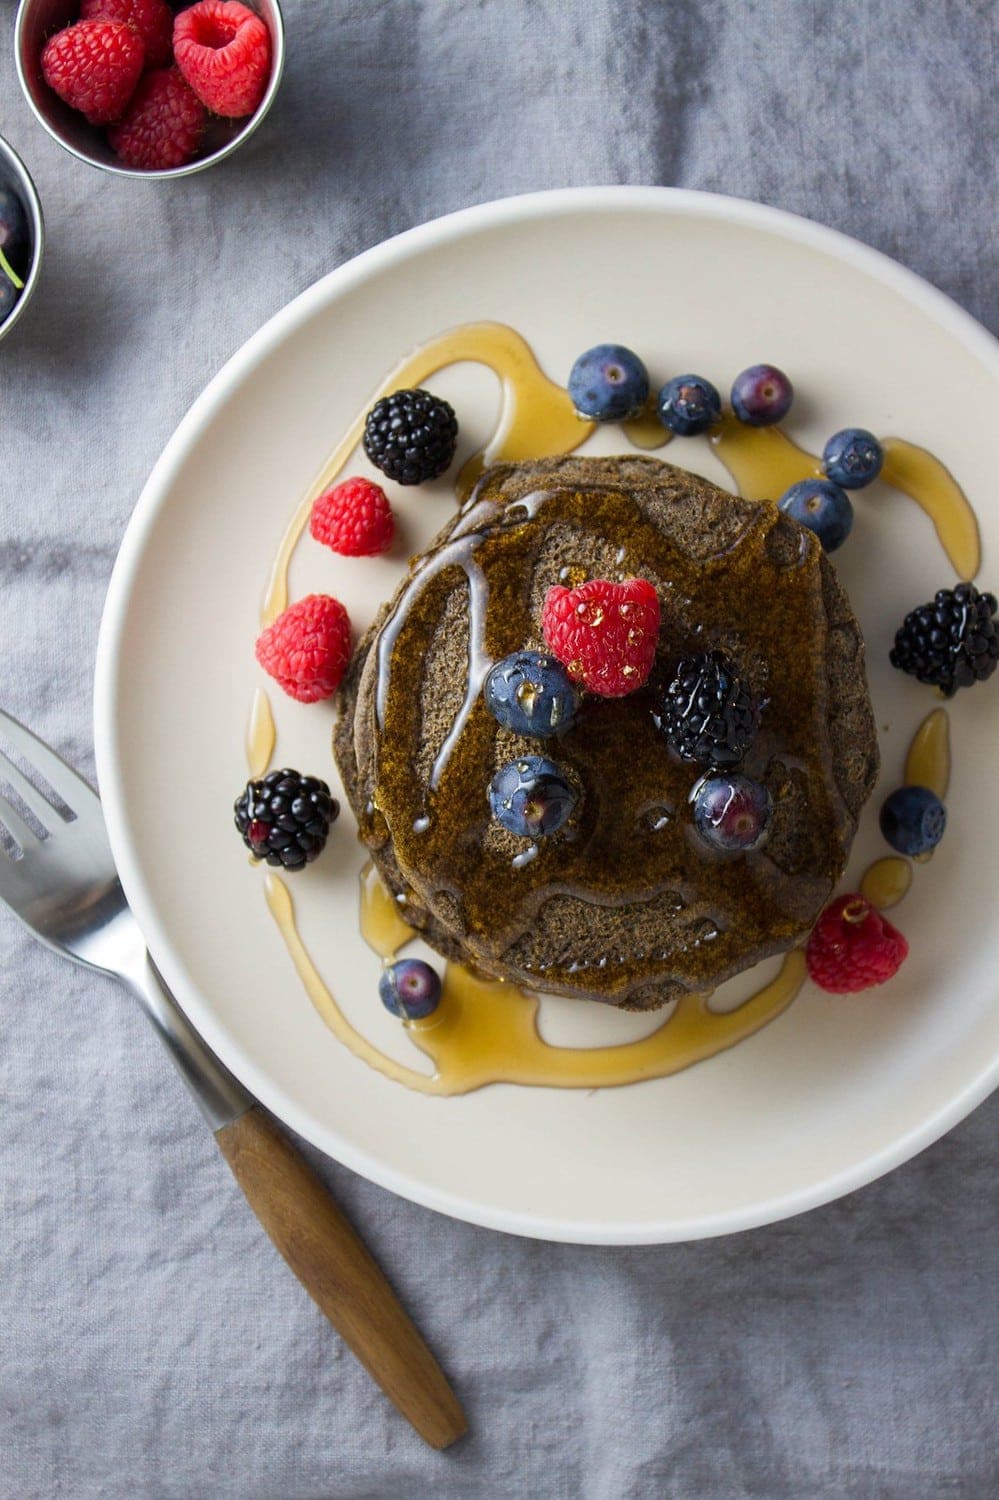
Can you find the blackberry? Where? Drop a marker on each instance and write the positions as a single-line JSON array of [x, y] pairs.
[[286, 817], [950, 642], [706, 714], [411, 436]]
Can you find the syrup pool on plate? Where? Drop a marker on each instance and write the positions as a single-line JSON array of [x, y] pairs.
[[485, 1030]]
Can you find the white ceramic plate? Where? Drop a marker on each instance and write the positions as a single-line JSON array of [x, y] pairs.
[[831, 1094]]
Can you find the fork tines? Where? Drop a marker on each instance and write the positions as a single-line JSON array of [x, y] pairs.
[[33, 801]]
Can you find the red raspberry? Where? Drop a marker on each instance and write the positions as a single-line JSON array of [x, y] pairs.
[[354, 518], [94, 66], [162, 126], [152, 19], [852, 947], [307, 648], [603, 633], [224, 51]]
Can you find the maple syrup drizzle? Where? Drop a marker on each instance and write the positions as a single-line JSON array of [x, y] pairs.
[[486, 1030], [886, 881], [935, 490], [646, 430], [261, 735], [764, 462], [383, 927], [928, 760]]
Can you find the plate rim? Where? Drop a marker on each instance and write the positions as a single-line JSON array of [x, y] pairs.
[[282, 324]]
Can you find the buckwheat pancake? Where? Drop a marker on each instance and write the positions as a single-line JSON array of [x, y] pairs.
[[625, 904]]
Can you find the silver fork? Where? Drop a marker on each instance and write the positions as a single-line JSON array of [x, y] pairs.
[[59, 879]]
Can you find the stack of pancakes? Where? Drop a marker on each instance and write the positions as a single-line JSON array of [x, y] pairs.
[[625, 904]]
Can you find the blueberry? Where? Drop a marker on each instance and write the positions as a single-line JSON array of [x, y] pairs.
[[531, 796], [761, 395], [732, 813], [913, 820], [608, 384], [853, 458], [410, 989], [689, 404], [532, 694], [821, 506]]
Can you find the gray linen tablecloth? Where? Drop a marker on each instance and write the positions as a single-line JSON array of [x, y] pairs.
[[152, 1344]]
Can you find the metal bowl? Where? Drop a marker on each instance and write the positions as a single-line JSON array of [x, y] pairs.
[[37, 20], [14, 173]]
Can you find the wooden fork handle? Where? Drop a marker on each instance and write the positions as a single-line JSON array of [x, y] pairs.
[[337, 1270]]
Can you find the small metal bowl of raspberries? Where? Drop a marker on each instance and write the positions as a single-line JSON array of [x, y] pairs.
[[22, 234], [147, 88]]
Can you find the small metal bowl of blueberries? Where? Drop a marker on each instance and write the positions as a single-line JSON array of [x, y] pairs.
[[21, 237], [147, 88]]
